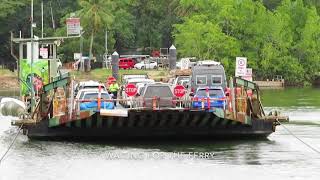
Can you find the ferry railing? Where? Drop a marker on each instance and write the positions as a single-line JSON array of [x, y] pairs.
[[176, 103], [205, 104]]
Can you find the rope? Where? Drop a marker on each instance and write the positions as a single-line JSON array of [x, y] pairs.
[[290, 132], [13, 141]]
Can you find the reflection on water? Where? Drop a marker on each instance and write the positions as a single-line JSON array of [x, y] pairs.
[[292, 97], [301, 105], [281, 156]]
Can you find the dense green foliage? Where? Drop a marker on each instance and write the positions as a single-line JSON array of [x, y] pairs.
[[279, 37], [281, 40]]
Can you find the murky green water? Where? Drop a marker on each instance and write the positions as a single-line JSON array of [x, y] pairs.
[[279, 157]]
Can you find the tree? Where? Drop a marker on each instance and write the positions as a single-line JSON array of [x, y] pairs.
[[96, 15], [9, 22], [199, 37], [153, 22], [9, 6]]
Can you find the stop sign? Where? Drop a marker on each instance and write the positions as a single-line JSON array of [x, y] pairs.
[[179, 91], [131, 90]]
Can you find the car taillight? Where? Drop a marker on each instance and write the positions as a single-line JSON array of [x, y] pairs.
[[144, 102], [174, 101], [195, 99], [227, 91]]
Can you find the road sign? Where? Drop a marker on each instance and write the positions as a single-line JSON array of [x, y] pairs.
[[131, 90], [73, 26], [248, 75], [43, 53], [241, 66], [185, 63], [77, 56], [179, 91]]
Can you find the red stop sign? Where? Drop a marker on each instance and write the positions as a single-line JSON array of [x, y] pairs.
[[131, 90], [179, 91]]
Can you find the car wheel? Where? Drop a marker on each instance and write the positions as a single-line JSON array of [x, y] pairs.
[[142, 67], [155, 67]]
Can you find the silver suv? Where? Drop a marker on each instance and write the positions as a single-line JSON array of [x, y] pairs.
[[158, 94]]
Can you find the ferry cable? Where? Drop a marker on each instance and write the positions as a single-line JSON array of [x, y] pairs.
[[11, 145], [290, 132]]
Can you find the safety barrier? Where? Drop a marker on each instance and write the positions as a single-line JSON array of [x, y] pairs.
[[138, 103]]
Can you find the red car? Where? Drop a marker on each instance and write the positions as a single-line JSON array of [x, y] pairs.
[[126, 63]]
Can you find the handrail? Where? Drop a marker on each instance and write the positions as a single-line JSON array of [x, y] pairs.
[[158, 98]]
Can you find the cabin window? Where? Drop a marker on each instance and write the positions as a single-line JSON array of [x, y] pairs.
[[216, 79], [201, 80]]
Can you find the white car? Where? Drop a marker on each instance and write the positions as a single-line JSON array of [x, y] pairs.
[[136, 81], [126, 78], [146, 65], [89, 85], [182, 80], [140, 80]]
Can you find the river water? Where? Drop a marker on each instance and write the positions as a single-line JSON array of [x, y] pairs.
[[281, 156]]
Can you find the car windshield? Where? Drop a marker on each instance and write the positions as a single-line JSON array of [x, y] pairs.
[[94, 96], [212, 92], [183, 83], [183, 78], [159, 91]]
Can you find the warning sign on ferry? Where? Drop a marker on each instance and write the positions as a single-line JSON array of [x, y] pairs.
[[179, 91], [131, 90]]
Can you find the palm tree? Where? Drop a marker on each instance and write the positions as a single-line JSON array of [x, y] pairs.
[[95, 15]]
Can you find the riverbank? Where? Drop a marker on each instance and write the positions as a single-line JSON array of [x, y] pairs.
[[102, 74], [8, 80]]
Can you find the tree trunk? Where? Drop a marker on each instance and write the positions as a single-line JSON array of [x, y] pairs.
[[90, 51]]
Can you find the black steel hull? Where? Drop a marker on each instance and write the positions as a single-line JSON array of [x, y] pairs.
[[160, 124]]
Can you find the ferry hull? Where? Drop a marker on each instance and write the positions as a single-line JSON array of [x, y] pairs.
[[150, 124]]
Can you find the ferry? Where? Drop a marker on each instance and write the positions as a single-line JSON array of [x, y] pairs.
[[58, 114]]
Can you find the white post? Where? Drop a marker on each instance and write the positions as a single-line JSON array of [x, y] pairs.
[[106, 41], [42, 18], [32, 49]]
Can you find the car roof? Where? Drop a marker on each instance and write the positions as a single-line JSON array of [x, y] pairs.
[[140, 80], [131, 76], [125, 58], [159, 84], [94, 92], [90, 83], [210, 87], [90, 90], [208, 62]]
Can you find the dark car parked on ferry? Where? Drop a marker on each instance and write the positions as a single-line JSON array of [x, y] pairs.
[[161, 93]]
